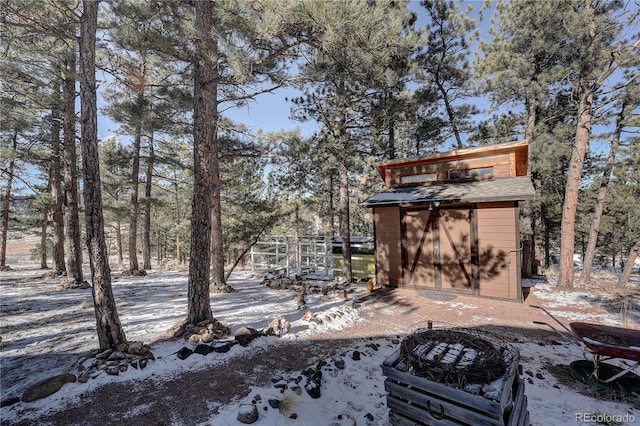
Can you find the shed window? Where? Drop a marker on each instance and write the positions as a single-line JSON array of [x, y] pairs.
[[427, 177], [471, 173]]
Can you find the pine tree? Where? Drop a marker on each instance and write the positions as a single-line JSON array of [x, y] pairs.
[[443, 64], [351, 44], [594, 27], [110, 332]]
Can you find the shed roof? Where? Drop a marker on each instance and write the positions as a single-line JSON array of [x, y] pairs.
[[491, 190]]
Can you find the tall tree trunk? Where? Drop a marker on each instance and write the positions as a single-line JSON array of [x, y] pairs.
[[569, 207], [631, 259], [119, 243], [7, 200], [57, 216], [43, 240], [391, 143], [179, 253], [205, 116], [110, 332], [217, 246], [296, 234], [345, 232], [73, 246], [146, 231], [586, 89], [135, 172], [602, 193], [450, 114]]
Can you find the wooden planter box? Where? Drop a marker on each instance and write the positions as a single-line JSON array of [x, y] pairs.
[[414, 400]]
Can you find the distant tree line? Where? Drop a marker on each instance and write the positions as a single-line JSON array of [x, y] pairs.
[[182, 182]]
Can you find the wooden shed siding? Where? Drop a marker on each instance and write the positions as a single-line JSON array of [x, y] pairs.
[[501, 164], [388, 245], [497, 238], [502, 171]]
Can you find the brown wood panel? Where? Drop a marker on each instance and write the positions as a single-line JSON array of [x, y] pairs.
[[418, 246], [501, 162], [502, 171], [388, 245], [455, 249], [498, 242]]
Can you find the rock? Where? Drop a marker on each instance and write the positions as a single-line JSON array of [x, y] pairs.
[[112, 370], [355, 356], [221, 288], [282, 386], [369, 417], [9, 401], [297, 390], [84, 377], [539, 376], [339, 363], [105, 354], [223, 347], [143, 363], [194, 338], [313, 389], [351, 304], [370, 285], [275, 403], [308, 316], [135, 348], [203, 349], [184, 353], [116, 356], [47, 387], [373, 346], [245, 335], [314, 379], [247, 414], [293, 416], [278, 327], [207, 337]]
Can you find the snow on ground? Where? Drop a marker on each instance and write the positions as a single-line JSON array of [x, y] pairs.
[[43, 329]]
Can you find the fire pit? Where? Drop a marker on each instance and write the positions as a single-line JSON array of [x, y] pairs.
[[455, 377]]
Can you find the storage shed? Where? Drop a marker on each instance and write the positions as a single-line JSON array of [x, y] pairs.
[[450, 222]]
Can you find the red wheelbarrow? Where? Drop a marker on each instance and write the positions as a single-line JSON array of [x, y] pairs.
[[602, 343]]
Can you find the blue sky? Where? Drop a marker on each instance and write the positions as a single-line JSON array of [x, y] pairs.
[[270, 112]]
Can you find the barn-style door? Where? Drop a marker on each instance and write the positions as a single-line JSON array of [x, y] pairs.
[[440, 249], [418, 267]]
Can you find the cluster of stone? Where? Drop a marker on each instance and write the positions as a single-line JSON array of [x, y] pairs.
[[114, 362], [134, 273], [303, 285], [137, 355], [71, 284], [214, 337], [310, 380], [206, 331]]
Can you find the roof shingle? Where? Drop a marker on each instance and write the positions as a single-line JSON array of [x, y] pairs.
[[491, 190]]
